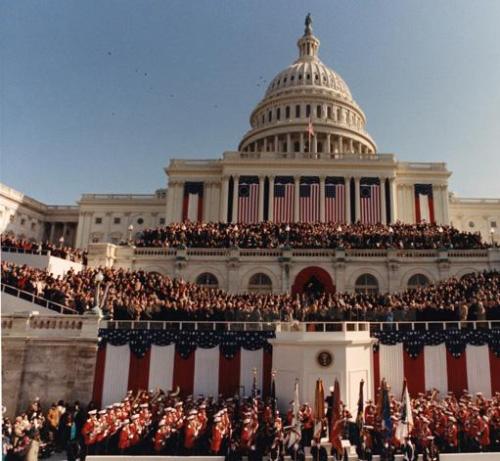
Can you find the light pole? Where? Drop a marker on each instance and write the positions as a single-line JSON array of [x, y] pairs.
[[99, 277], [130, 230], [440, 230]]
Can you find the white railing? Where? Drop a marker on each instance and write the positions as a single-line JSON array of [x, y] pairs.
[[296, 326], [26, 252], [314, 252], [32, 298]]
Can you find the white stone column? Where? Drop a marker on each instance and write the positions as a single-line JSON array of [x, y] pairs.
[[264, 149], [261, 198], [322, 210], [271, 199], [276, 146], [236, 181], [207, 200], [341, 145], [328, 141], [444, 193], [296, 191], [347, 186], [393, 202], [351, 146], [357, 212], [52, 231], [289, 142], [302, 148], [178, 201], [224, 199], [410, 203], [314, 144], [383, 208]]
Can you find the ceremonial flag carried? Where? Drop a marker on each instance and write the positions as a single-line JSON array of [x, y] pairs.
[[361, 406], [295, 427], [273, 392], [335, 409], [405, 424], [319, 408], [385, 409]]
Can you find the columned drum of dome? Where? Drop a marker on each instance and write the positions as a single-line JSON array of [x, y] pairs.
[[308, 94]]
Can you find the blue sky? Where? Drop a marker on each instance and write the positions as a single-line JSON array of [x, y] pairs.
[[97, 96]]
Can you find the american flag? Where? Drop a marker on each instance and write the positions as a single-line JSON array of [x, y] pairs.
[[370, 203], [335, 202], [283, 202], [309, 202], [248, 203]]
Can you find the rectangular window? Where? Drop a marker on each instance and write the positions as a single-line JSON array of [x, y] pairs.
[[162, 221], [493, 224], [297, 111], [318, 111], [269, 116], [329, 112], [278, 113], [98, 220], [287, 112], [308, 110], [117, 220]]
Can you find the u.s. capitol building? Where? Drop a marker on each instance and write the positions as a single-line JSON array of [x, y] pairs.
[[306, 157]]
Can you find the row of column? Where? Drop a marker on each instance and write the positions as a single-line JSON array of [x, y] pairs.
[[339, 145], [322, 208]]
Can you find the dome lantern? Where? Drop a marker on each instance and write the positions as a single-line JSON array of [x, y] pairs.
[[308, 44]]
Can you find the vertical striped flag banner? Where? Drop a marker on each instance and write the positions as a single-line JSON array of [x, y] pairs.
[[370, 203], [192, 205], [309, 202], [248, 202], [335, 202], [283, 202], [424, 203]]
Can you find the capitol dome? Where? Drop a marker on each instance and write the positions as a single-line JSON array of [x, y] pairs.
[[308, 96]]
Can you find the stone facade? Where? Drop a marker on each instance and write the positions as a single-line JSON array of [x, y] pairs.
[[281, 270], [51, 358]]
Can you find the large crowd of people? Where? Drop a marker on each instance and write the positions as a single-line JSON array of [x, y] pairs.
[[140, 295], [309, 235], [22, 245], [163, 423]]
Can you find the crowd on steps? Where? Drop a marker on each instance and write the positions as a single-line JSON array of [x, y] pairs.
[[162, 423], [139, 295], [22, 245], [309, 235]]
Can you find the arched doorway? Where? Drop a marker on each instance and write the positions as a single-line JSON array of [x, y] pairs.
[[313, 280]]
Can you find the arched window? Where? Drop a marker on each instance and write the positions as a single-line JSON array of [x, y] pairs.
[[366, 284], [287, 112], [319, 111], [296, 146], [418, 281], [207, 280], [260, 283]]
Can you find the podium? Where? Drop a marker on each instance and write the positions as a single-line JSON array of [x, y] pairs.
[[345, 355]]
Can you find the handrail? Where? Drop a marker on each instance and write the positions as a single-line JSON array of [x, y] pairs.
[[27, 296]]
